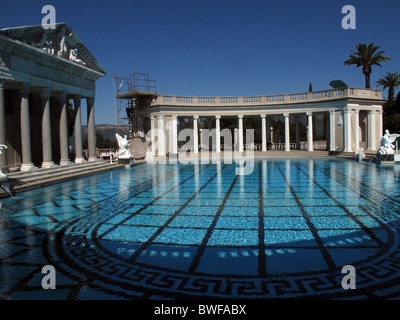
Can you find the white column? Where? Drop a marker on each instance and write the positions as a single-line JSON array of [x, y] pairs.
[[380, 123], [310, 132], [347, 130], [174, 137], [264, 133], [371, 130], [152, 134], [195, 135], [240, 133], [297, 133], [287, 132], [332, 124], [357, 129], [217, 134], [46, 129], [161, 136]]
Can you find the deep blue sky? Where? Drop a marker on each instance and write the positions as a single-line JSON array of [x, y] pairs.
[[221, 47]]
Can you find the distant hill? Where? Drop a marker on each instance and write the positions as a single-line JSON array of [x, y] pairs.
[[107, 130]]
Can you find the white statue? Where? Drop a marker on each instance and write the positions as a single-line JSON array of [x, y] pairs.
[[123, 151], [149, 156], [360, 155], [387, 140], [2, 175], [73, 56]]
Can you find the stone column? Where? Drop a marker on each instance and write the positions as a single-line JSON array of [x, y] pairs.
[[263, 133], [297, 132], [91, 129], [161, 136], [63, 127], [371, 130], [347, 130], [174, 134], [152, 133], [217, 134], [78, 130], [380, 123], [3, 140], [240, 133], [46, 129], [310, 132], [332, 133], [357, 129], [287, 132], [25, 130], [195, 135]]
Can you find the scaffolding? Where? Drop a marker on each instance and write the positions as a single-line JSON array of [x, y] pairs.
[[134, 93]]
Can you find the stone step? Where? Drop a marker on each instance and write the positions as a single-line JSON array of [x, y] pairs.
[[48, 172], [23, 181]]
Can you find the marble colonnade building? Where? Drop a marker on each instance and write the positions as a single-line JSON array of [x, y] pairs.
[[353, 118], [40, 71]]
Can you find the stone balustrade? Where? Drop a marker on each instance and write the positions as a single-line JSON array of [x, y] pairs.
[[280, 99]]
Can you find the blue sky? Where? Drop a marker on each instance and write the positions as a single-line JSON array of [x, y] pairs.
[[221, 47]]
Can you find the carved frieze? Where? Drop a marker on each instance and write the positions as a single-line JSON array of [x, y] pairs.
[[57, 42]]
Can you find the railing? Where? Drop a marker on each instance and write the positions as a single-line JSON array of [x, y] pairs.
[[317, 145], [271, 99]]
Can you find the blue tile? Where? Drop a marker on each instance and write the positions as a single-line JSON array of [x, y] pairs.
[[237, 223], [131, 233], [240, 211], [191, 221], [285, 223], [233, 238], [154, 220], [181, 236], [289, 238]]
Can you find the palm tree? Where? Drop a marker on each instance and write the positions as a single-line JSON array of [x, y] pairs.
[[366, 56], [391, 81]]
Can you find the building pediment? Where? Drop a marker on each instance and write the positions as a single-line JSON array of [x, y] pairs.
[[61, 42]]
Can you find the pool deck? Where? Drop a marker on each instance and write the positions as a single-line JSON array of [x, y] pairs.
[[23, 181]]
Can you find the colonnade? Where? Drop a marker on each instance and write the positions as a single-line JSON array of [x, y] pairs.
[[343, 124], [173, 147], [45, 94]]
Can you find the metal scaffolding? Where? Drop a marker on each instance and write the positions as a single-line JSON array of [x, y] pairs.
[[134, 92]]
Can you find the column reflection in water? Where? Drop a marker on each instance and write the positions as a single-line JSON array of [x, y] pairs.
[[196, 175], [176, 177], [219, 179], [311, 176], [264, 176], [287, 175], [332, 175]]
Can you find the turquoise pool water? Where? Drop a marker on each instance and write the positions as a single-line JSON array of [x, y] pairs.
[[201, 231]]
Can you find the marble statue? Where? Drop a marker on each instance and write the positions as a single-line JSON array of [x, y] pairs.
[[73, 56], [2, 175], [387, 141], [4, 181], [123, 151], [149, 156]]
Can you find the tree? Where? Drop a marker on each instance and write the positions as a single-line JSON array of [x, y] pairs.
[[366, 56], [391, 81], [101, 142]]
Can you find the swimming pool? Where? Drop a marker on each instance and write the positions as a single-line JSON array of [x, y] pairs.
[[200, 231]]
